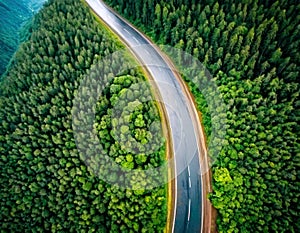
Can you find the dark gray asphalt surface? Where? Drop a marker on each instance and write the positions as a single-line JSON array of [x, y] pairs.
[[188, 209]]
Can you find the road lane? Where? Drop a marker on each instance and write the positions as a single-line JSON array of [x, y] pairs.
[[188, 206]]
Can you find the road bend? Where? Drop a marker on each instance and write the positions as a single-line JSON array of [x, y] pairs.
[[182, 117]]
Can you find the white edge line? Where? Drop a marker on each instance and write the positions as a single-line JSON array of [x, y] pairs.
[[189, 171], [175, 181], [190, 183], [189, 211]]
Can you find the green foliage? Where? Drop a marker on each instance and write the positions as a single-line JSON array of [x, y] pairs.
[[15, 26], [45, 185], [252, 51], [125, 125], [222, 175]]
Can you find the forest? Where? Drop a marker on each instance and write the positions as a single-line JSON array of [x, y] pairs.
[[15, 22], [251, 49], [48, 184]]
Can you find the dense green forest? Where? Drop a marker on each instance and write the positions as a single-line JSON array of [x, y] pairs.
[[47, 184], [251, 48], [15, 23]]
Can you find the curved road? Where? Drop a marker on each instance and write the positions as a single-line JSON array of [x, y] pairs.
[[182, 118]]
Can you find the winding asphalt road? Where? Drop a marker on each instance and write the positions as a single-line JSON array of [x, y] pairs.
[[181, 114]]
